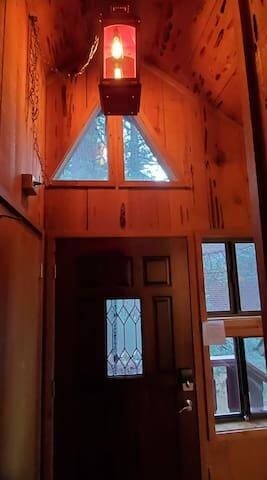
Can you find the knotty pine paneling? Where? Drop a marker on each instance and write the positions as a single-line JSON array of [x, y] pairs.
[[70, 103], [68, 211], [2, 43], [168, 114], [20, 352], [258, 10], [196, 44], [226, 175], [193, 41], [238, 456], [64, 46], [16, 139], [204, 146]]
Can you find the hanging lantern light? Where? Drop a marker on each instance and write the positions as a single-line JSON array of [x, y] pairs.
[[119, 86]]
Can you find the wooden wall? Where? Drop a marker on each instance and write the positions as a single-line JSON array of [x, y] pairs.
[[237, 456], [20, 253], [253, 15], [208, 147], [195, 42], [244, 455], [258, 10], [20, 351], [16, 140]]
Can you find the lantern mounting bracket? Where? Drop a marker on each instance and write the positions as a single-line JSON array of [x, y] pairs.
[[120, 9]]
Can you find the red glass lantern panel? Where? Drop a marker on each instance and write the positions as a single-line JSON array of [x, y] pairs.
[[119, 52]]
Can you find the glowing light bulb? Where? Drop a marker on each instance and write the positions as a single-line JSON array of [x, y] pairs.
[[117, 47], [117, 73]]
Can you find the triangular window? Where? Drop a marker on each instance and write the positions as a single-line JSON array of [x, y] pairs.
[[141, 163], [88, 160]]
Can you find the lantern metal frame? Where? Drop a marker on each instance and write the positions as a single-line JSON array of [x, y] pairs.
[[120, 96]]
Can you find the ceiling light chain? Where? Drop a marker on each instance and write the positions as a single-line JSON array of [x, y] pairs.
[[91, 54], [54, 69], [35, 54], [73, 75], [34, 89]]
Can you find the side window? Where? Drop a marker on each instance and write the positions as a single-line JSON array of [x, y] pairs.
[[239, 375], [226, 391], [230, 278], [239, 378], [247, 275], [216, 277]]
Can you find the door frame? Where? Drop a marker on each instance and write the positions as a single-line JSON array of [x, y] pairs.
[[47, 434]]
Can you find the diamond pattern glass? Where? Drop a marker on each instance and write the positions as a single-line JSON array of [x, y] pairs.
[[124, 337]]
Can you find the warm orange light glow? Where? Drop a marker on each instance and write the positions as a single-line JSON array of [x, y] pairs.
[[119, 51], [117, 47], [119, 85], [117, 73]]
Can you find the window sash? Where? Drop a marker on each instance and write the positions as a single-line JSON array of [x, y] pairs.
[[233, 280], [245, 410], [239, 324]]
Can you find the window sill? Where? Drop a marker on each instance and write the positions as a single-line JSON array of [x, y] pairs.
[[241, 326], [137, 185], [155, 185], [242, 426], [81, 184]]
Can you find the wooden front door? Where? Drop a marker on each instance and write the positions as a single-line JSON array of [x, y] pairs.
[[123, 346]]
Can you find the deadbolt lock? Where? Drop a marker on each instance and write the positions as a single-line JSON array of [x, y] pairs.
[[186, 380]]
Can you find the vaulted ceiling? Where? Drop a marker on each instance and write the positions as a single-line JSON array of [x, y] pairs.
[[192, 41]]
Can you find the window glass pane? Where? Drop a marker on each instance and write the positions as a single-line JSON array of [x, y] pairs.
[[124, 337], [89, 159], [225, 378], [140, 162], [215, 277], [247, 276], [257, 374]]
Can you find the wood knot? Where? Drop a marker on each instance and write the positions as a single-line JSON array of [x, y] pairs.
[[220, 158], [123, 216]]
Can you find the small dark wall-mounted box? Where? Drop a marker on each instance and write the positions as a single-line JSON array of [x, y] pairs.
[[28, 184]]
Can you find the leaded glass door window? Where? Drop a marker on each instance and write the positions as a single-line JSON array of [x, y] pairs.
[[124, 337]]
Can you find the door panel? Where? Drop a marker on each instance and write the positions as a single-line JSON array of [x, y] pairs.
[[123, 425]]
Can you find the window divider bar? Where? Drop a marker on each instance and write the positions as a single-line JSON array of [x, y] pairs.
[[243, 377], [232, 277]]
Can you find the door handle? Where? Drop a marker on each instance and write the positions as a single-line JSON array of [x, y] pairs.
[[188, 407]]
